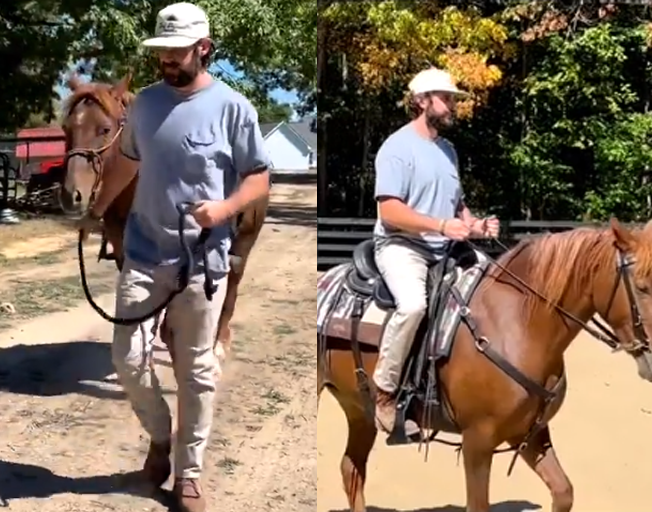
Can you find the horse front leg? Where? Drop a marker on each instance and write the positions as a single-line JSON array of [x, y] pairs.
[[248, 230], [540, 455], [477, 450], [223, 340]]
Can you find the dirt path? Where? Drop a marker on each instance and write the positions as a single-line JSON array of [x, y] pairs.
[[70, 440], [602, 436]]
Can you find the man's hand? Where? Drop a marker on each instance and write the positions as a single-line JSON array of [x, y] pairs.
[[492, 227], [89, 223], [209, 214], [488, 227], [456, 229]]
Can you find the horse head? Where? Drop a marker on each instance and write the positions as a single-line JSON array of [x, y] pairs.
[[609, 272], [626, 302], [93, 120]]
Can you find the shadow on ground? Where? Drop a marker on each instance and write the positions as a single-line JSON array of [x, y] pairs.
[[292, 215], [23, 481], [57, 369], [504, 506]]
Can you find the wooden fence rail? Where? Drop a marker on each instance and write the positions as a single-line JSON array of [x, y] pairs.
[[338, 236]]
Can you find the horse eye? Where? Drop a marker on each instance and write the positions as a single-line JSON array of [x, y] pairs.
[[105, 130]]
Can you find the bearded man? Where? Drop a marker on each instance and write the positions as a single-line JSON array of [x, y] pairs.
[[192, 139], [420, 198]]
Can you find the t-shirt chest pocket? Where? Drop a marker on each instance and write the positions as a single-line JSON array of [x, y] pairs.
[[206, 152]]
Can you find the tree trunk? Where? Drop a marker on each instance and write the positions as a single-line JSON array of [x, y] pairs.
[[365, 161], [322, 174]]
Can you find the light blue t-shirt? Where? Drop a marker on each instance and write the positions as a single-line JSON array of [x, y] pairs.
[[423, 173], [191, 148]]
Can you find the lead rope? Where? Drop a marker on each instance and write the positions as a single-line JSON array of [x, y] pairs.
[[182, 279]]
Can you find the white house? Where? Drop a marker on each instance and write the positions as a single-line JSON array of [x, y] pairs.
[[292, 146]]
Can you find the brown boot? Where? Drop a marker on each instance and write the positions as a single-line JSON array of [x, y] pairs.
[[385, 410], [189, 495], [386, 414], [157, 466]]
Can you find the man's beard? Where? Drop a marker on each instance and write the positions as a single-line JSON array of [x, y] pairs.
[[176, 76], [439, 122]]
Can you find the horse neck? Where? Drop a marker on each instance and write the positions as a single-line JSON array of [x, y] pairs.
[[547, 325]]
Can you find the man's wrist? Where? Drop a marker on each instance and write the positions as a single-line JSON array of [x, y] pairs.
[[439, 226]]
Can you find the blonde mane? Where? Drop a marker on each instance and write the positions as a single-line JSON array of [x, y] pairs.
[[562, 263]]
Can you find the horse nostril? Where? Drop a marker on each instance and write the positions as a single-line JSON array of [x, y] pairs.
[[78, 196]]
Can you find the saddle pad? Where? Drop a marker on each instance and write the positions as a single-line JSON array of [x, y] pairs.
[[449, 314], [335, 306], [328, 286]]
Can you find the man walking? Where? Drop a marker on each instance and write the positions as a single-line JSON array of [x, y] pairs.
[[192, 139], [420, 197]]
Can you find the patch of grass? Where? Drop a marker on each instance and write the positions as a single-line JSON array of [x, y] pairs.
[[40, 259], [276, 397], [283, 330], [34, 298], [266, 410], [289, 302], [228, 464]]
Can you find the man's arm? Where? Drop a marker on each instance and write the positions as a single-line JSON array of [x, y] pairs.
[[251, 161], [392, 176], [123, 163]]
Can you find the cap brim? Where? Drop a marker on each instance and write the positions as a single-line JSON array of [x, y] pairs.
[[170, 42], [457, 92]]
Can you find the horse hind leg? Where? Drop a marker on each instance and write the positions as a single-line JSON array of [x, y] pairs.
[[361, 438], [540, 455]]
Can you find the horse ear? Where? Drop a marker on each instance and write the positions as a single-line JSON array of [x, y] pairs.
[[122, 87], [625, 239], [73, 82]]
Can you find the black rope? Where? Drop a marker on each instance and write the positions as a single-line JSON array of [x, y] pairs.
[[182, 280]]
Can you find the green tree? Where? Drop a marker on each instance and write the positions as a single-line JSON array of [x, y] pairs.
[[274, 112], [271, 42], [559, 123]]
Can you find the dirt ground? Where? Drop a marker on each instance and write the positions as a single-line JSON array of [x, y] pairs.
[[602, 435], [70, 440]]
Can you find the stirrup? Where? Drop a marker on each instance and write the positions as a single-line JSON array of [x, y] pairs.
[[399, 435]]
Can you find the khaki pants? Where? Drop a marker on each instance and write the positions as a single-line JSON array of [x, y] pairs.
[[405, 272], [192, 321]]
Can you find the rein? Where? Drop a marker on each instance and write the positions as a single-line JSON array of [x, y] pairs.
[[602, 333]]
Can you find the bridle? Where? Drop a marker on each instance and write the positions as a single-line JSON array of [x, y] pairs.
[[94, 156], [639, 345], [641, 342]]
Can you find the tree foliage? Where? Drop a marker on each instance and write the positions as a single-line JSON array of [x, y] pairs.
[[384, 42], [271, 42], [558, 125]]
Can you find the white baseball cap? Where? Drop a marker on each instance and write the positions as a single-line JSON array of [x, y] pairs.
[[433, 80], [179, 26]]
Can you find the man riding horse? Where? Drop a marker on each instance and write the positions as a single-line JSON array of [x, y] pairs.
[[419, 197]]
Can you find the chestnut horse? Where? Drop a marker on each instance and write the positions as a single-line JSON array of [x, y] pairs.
[[504, 377], [93, 124]]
